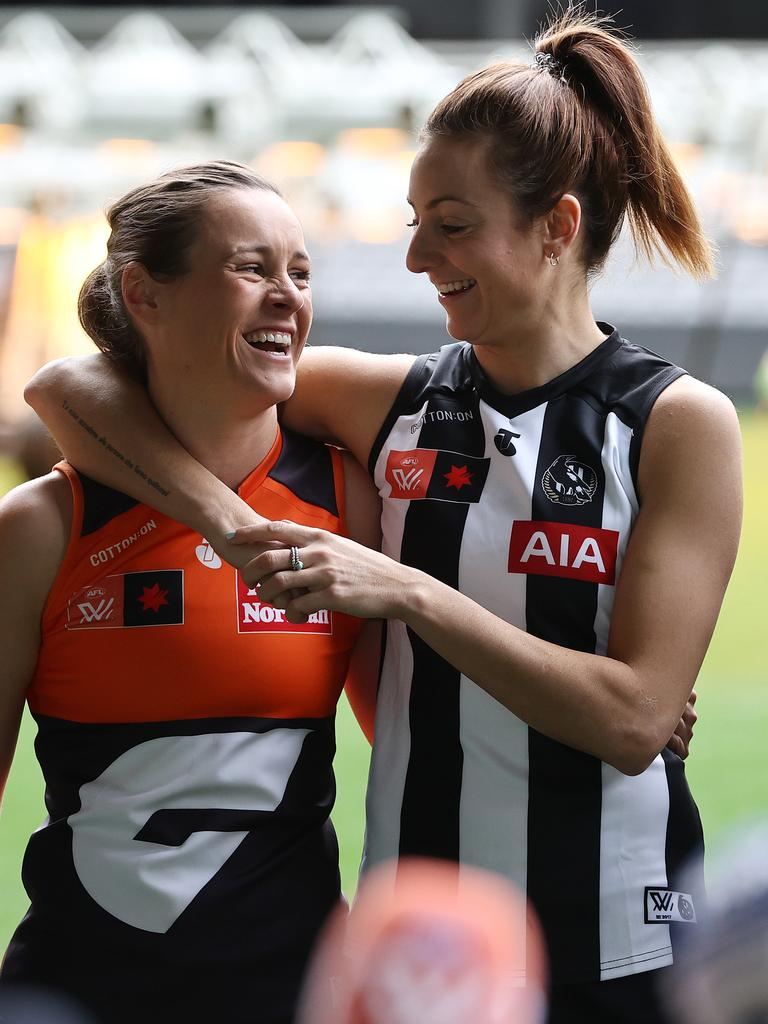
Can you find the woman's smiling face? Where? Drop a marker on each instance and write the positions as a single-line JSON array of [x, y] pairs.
[[484, 257], [240, 315]]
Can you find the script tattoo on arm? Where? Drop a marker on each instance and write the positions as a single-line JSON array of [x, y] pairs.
[[102, 440]]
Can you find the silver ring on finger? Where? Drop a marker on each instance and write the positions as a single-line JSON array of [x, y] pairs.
[[296, 562]]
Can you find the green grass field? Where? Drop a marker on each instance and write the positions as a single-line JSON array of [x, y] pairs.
[[727, 768]]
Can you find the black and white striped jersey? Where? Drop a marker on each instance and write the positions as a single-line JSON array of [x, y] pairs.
[[525, 503]]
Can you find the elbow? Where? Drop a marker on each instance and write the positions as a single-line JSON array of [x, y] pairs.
[[634, 749], [37, 392]]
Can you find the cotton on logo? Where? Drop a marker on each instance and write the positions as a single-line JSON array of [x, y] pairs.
[[563, 549]]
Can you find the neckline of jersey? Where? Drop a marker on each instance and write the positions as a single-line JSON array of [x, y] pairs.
[[258, 475], [523, 401]]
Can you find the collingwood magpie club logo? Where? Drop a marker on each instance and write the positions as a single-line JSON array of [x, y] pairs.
[[569, 482]]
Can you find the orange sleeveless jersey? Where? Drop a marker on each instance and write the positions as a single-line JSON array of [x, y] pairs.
[[145, 623], [186, 735]]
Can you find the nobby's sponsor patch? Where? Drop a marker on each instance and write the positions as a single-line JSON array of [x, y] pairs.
[[664, 906], [257, 616]]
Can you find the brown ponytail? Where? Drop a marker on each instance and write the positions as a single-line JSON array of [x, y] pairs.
[[154, 225], [579, 120]]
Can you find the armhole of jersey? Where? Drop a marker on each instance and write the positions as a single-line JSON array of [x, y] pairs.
[[654, 389], [75, 530], [416, 378], [339, 486]]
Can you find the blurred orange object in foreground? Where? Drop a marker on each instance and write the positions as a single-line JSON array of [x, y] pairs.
[[426, 943]]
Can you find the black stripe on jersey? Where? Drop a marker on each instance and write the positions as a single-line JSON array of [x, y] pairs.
[[432, 537], [305, 467], [101, 504], [565, 785], [684, 848]]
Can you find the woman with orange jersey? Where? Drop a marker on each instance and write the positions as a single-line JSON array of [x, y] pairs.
[[185, 726]]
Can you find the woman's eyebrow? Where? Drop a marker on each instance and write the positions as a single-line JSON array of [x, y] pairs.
[[257, 248], [444, 199]]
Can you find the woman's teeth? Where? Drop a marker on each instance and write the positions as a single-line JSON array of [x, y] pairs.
[[456, 286], [269, 341]]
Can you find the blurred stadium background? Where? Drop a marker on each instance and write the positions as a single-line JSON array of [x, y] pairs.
[[327, 100]]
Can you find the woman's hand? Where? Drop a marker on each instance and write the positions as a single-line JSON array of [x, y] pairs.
[[338, 573]]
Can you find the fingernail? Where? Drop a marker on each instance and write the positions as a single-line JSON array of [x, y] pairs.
[[230, 535]]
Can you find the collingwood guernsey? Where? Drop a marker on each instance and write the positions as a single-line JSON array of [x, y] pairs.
[[525, 503]]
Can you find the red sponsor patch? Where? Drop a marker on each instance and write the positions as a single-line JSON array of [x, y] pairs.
[[257, 616], [99, 606], [562, 549], [409, 473]]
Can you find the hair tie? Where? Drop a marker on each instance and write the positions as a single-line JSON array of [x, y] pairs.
[[550, 63]]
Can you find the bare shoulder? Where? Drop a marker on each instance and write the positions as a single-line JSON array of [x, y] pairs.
[[694, 424], [35, 521], [343, 395]]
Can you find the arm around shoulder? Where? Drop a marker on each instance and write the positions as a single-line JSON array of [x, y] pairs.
[[34, 531], [344, 395]]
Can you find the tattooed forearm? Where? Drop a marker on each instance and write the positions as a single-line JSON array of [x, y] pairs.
[[102, 440]]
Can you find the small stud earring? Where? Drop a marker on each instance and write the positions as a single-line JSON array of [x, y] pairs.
[[554, 260]]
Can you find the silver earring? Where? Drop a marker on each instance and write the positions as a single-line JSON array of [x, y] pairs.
[[554, 260]]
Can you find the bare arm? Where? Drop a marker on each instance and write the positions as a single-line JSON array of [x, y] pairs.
[[623, 707], [363, 509], [107, 426], [33, 538]]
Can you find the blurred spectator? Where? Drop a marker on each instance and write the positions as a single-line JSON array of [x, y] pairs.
[[29, 444], [427, 944], [721, 974]]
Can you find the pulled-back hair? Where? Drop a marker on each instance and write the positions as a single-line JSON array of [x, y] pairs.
[[154, 225], [579, 120]]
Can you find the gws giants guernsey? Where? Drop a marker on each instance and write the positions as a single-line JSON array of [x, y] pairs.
[[186, 738], [525, 503]]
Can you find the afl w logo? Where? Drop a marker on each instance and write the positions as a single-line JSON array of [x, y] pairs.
[[97, 612], [408, 479], [569, 482], [663, 906]]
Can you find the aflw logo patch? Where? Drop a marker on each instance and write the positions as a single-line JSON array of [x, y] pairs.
[[429, 473], [129, 599], [257, 616], [562, 549], [663, 906]]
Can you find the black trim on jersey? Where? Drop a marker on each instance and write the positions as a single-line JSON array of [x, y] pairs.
[[641, 408], [515, 405], [442, 372], [429, 816], [101, 504], [684, 850], [305, 467], [565, 785]]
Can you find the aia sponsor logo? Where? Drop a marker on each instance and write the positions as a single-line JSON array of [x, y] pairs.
[[569, 482], [429, 473], [257, 616], [129, 599], [562, 549]]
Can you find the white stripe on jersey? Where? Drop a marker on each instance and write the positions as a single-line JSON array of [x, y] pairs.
[[393, 731], [494, 741], [635, 809]]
